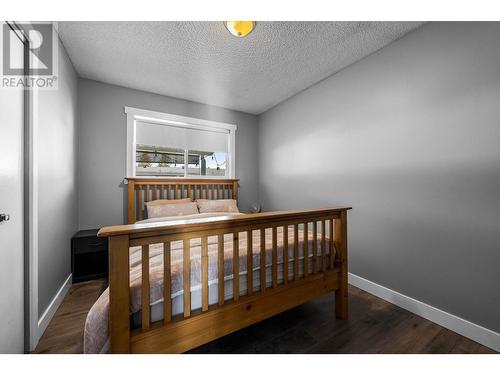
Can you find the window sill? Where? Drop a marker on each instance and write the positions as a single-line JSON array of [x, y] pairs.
[[187, 179]]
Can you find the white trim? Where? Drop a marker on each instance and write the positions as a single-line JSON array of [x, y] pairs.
[[36, 326], [134, 114], [454, 323], [31, 149], [145, 114], [131, 136], [33, 224], [48, 314]]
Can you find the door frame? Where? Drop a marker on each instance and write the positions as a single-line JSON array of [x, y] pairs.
[[30, 199]]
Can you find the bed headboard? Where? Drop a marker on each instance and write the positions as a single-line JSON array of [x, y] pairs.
[[143, 189]]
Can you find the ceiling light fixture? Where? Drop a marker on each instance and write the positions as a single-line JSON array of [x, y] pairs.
[[240, 29]]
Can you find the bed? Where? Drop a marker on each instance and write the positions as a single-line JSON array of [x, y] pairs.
[[178, 282]]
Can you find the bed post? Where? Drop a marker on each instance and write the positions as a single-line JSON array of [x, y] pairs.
[[131, 202], [235, 190], [340, 235], [119, 294]]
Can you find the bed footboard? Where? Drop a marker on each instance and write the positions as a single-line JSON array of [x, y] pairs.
[[321, 273]]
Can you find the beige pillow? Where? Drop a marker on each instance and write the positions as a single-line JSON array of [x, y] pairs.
[[161, 202], [217, 205], [176, 209]]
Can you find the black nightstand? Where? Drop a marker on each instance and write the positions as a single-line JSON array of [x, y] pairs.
[[89, 256]]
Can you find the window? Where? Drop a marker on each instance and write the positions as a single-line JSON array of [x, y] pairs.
[[165, 145]]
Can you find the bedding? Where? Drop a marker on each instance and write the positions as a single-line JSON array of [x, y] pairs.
[[215, 215], [217, 205], [172, 209], [96, 325]]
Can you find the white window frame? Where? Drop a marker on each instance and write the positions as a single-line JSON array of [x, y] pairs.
[[137, 114]]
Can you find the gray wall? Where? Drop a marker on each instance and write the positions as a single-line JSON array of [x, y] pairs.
[[102, 142], [57, 181], [410, 137]]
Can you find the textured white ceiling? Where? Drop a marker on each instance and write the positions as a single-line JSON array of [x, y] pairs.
[[202, 62]]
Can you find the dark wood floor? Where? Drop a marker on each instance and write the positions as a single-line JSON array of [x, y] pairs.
[[374, 326], [65, 331]]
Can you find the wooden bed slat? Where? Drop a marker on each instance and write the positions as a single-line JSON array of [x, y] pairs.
[[315, 247], [306, 249], [285, 254], [275, 257], [249, 263], [146, 316], [167, 283], [131, 202], [296, 252], [187, 278], [235, 190], [204, 273], [323, 245], [220, 246], [262, 277], [332, 250], [119, 294], [140, 207], [148, 188], [236, 267]]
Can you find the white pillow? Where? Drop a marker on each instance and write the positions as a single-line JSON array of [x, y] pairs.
[[217, 205], [175, 209]]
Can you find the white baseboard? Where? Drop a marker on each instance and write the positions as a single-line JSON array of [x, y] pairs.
[[48, 314], [461, 326]]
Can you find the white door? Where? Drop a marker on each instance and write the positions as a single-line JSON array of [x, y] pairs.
[[11, 203]]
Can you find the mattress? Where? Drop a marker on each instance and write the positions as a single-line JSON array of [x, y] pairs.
[[96, 326], [156, 309]]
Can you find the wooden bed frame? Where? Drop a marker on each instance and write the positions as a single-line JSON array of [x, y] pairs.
[[196, 327]]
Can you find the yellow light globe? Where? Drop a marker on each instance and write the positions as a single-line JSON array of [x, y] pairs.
[[240, 29]]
